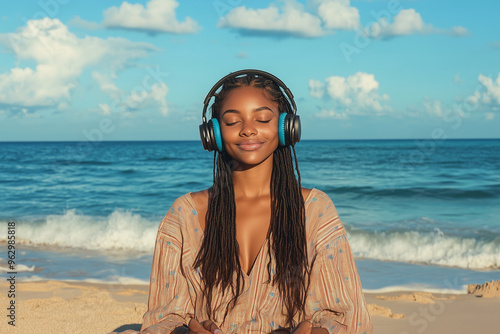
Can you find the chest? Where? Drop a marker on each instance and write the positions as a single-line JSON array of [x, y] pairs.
[[252, 224]]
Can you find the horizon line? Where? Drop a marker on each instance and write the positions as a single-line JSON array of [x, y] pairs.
[[194, 140]]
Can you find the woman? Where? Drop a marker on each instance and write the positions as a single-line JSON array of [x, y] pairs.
[[255, 252]]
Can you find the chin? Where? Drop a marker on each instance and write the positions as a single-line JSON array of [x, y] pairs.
[[251, 159]]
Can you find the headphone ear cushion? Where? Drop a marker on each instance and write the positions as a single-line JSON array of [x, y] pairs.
[[281, 129], [217, 134]]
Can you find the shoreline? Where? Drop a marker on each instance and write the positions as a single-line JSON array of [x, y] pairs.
[[52, 306]]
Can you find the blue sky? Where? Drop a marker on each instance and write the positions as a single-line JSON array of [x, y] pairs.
[[139, 70]]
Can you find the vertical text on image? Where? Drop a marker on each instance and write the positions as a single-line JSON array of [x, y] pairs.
[[11, 263]]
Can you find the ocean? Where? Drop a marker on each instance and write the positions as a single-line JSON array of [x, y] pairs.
[[420, 214]]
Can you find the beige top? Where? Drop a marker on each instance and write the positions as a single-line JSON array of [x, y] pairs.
[[174, 298]]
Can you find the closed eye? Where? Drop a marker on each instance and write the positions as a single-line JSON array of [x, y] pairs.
[[231, 124]]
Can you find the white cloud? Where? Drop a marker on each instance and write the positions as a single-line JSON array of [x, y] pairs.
[[141, 97], [457, 78], [291, 19], [338, 14], [105, 108], [60, 59], [106, 84], [433, 107], [147, 99], [242, 55], [490, 94], [316, 88], [458, 31], [356, 94], [408, 22], [157, 16], [331, 114], [489, 115], [77, 21]]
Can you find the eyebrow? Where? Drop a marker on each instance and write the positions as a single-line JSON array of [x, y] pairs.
[[234, 111]]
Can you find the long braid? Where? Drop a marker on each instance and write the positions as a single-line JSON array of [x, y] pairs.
[[288, 235]]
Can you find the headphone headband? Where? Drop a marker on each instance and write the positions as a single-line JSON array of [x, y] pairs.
[[219, 83], [288, 123]]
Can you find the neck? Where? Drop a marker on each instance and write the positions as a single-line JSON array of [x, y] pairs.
[[253, 182]]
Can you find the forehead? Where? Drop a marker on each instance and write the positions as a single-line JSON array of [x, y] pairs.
[[248, 95]]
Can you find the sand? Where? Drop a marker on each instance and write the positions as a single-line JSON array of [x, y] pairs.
[[68, 307], [486, 290], [77, 307]]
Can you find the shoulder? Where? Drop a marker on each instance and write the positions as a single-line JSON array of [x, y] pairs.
[[178, 213], [322, 217], [195, 199], [180, 204], [200, 199], [317, 197], [305, 192], [201, 194]]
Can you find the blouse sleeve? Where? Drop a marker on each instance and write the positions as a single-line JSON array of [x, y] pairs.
[[169, 304], [335, 300]]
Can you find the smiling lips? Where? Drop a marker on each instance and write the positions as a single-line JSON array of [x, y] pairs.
[[250, 145]]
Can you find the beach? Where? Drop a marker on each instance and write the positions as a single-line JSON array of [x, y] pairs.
[[78, 307]]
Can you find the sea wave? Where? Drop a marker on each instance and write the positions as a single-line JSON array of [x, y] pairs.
[[420, 288], [435, 248], [130, 233], [114, 281], [121, 230], [18, 268]]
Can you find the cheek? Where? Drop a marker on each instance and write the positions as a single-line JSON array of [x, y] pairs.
[[272, 130], [272, 133], [226, 132]]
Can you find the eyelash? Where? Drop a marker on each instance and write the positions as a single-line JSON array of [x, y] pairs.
[[230, 124]]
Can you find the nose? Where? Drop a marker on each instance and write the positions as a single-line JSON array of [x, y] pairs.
[[248, 129]]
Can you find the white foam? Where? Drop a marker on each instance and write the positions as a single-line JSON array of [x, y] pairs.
[[117, 280], [18, 268], [434, 248], [112, 280], [33, 278], [419, 288], [121, 230]]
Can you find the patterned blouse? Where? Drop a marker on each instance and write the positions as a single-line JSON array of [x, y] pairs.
[[175, 298]]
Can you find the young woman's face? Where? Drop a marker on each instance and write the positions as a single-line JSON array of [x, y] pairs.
[[249, 126]]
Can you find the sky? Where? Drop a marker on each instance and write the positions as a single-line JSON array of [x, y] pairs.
[[117, 70]]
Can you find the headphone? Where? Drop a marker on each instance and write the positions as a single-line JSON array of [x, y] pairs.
[[288, 126]]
